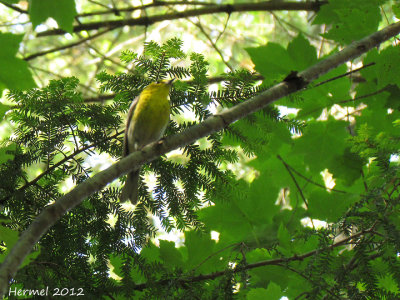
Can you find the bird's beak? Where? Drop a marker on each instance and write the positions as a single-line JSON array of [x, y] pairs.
[[171, 81]]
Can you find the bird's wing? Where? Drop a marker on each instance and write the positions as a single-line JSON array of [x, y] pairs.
[[128, 122]]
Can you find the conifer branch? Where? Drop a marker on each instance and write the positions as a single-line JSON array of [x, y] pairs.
[[294, 82]]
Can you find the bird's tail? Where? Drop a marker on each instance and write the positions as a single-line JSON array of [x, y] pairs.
[[131, 189]]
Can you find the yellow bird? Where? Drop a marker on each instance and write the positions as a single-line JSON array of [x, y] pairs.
[[146, 122]]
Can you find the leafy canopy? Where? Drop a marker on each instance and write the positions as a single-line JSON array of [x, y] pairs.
[[287, 231]]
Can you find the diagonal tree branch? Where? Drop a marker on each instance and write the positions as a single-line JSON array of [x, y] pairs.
[[229, 8], [294, 82]]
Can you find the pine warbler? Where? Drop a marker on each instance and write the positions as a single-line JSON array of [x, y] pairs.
[[146, 122]]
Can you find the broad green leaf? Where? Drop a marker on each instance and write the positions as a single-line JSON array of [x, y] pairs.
[[247, 216], [267, 137], [62, 11], [284, 237], [370, 73], [369, 96], [328, 206], [273, 292], [346, 167], [4, 153], [10, 237], [378, 120], [316, 98], [393, 94], [151, 253], [275, 62], [169, 254], [350, 20], [396, 10], [202, 252], [228, 219], [388, 63], [302, 53], [117, 262], [263, 276], [3, 110], [14, 73], [320, 142], [257, 294], [272, 61]]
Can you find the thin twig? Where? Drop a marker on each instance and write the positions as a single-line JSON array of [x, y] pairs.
[[198, 25], [342, 75], [309, 180], [297, 185], [56, 49], [308, 279]]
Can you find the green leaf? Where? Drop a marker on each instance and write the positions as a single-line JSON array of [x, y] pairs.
[[62, 11], [378, 120], [229, 220], [152, 253], [257, 294], [346, 166], [320, 142], [273, 293], [4, 153], [10, 237], [272, 61], [14, 73], [3, 109], [200, 248], [117, 262], [396, 10], [169, 254], [275, 62], [388, 63], [350, 20], [246, 216], [267, 137], [284, 237], [323, 96], [370, 73], [383, 99], [328, 206], [302, 53], [264, 275]]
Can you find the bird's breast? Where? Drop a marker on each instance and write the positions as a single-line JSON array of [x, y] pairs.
[[151, 119]]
